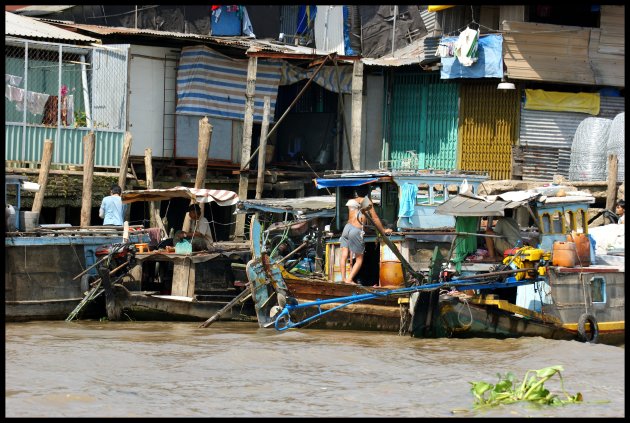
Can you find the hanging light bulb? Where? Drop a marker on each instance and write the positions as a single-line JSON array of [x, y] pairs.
[[504, 85]]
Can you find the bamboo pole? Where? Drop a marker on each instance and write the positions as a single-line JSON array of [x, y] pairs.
[[611, 191], [248, 123], [38, 201], [238, 299], [262, 156], [88, 170]]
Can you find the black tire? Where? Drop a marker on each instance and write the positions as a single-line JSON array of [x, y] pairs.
[[592, 335]]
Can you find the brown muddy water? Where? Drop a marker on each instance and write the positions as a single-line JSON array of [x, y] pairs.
[[236, 369]]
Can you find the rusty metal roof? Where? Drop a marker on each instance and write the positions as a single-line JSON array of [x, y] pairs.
[[420, 51], [251, 45], [25, 27]]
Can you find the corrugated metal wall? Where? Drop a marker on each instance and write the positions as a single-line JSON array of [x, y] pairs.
[[288, 20], [69, 147], [488, 127], [546, 138], [329, 29], [423, 120]]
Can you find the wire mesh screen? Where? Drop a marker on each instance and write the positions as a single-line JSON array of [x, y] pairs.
[[62, 92]]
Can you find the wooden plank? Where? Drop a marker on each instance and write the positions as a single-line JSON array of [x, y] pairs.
[[183, 278]]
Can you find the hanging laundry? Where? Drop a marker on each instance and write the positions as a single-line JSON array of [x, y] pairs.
[[35, 102], [12, 79], [407, 207], [14, 94], [466, 47]]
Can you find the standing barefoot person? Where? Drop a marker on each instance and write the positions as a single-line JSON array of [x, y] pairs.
[[352, 235]]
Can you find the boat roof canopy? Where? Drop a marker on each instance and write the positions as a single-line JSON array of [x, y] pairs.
[[305, 207], [199, 195], [468, 204]]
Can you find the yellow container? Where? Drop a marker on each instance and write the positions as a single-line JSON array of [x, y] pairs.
[[142, 248]]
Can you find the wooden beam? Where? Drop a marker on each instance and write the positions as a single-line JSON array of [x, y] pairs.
[[248, 123], [88, 169]]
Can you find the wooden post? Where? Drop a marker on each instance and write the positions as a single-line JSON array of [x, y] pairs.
[[124, 161], [38, 201], [60, 215], [611, 191], [148, 165], [262, 155], [357, 112], [248, 123], [203, 147], [88, 172]]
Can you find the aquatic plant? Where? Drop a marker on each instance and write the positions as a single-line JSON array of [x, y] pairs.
[[508, 390]]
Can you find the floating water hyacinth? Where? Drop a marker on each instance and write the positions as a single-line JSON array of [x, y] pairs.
[[532, 389]]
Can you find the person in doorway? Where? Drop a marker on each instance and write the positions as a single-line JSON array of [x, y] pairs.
[[620, 211], [352, 236], [200, 229], [112, 209], [510, 234]]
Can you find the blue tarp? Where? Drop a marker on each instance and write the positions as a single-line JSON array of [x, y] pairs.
[[343, 182], [489, 64]]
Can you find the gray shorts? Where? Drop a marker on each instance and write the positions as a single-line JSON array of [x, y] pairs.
[[352, 238]]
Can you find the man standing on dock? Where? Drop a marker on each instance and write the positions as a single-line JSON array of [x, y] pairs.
[[112, 210]]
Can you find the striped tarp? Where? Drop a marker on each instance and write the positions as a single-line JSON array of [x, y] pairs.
[[200, 195], [211, 84]]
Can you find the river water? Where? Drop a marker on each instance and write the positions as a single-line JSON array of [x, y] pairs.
[[236, 369]]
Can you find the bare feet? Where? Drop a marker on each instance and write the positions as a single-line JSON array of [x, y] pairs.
[[351, 282]]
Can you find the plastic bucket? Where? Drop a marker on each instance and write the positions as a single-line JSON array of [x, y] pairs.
[[391, 274], [582, 248], [29, 221], [564, 254]]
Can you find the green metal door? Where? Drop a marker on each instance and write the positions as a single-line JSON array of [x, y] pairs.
[[421, 124]]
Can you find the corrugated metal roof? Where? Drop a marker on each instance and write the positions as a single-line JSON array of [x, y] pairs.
[[252, 45], [23, 26], [420, 51], [466, 204]]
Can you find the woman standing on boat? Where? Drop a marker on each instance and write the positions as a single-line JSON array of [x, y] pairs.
[[352, 235]]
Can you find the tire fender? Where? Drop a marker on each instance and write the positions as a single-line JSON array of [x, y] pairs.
[[592, 335]]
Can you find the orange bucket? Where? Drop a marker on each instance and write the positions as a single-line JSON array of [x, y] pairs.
[[564, 254], [391, 274]]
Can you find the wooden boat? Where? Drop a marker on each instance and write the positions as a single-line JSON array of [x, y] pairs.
[[584, 301], [44, 263], [166, 285], [439, 296], [376, 304]]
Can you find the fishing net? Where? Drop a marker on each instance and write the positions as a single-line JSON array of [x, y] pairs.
[[588, 158], [615, 144]]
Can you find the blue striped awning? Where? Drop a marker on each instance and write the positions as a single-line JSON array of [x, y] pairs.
[[343, 182], [211, 84]]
